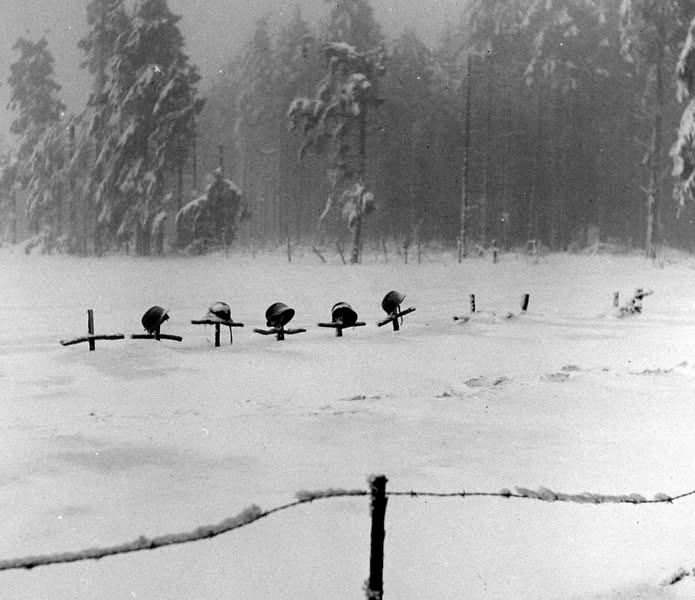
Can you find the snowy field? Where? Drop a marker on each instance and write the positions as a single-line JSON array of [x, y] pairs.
[[146, 438]]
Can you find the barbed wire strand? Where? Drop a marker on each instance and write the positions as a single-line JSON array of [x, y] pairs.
[[246, 517], [255, 513], [548, 495]]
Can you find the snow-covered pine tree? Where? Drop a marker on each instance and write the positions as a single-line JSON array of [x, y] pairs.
[[683, 150], [575, 47], [8, 196], [107, 20], [652, 32], [211, 220], [49, 194], [34, 97], [151, 99], [34, 93], [335, 121]]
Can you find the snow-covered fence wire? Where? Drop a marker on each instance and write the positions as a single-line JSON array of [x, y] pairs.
[[379, 497], [246, 517]]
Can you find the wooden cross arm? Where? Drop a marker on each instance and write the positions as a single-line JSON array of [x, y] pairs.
[[86, 338], [275, 331], [208, 322], [264, 331], [393, 316], [293, 331], [341, 325], [151, 336]]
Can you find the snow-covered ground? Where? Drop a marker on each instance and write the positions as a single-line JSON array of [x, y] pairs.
[[150, 438]]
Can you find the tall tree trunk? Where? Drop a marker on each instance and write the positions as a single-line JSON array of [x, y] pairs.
[[194, 163], [357, 232], [99, 131], [463, 225], [536, 181], [486, 158], [13, 198], [654, 236], [179, 186]]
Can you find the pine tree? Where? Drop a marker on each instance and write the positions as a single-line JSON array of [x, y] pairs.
[[336, 120], [652, 32], [298, 68], [151, 100], [257, 128], [8, 197], [683, 150], [34, 98], [353, 22], [409, 122], [108, 19], [33, 93]]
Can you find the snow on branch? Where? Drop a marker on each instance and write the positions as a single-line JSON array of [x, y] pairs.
[[683, 150], [685, 68]]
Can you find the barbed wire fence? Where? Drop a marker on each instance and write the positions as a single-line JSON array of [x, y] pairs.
[[373, 586]]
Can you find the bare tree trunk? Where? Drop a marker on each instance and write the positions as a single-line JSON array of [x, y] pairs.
[[194, 163], [179, 185], [486, 158], [536, 181], [357, 232], [13, 194], [462, 241], [99, 133], [654, 233]]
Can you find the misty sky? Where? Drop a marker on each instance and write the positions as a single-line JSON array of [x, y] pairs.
[[213, 29]]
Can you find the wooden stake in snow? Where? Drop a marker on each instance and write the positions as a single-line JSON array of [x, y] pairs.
[[616, 299], [524, 302], [90, 337], [375, 583]]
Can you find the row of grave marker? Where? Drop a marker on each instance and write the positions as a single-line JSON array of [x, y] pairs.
[[278, 315]]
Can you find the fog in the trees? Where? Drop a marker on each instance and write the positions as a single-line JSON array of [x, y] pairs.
[[481, 124]]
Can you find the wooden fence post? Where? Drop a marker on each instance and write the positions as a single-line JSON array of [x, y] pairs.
[[375, 583], [524, 302], [90, 329]]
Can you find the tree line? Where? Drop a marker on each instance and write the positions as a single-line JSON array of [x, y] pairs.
[[542, 122]]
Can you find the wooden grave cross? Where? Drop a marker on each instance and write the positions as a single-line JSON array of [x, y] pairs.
[[394, 317], [217, 328], [156, 336], [339, 326], [91, 338], [279, 332]]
